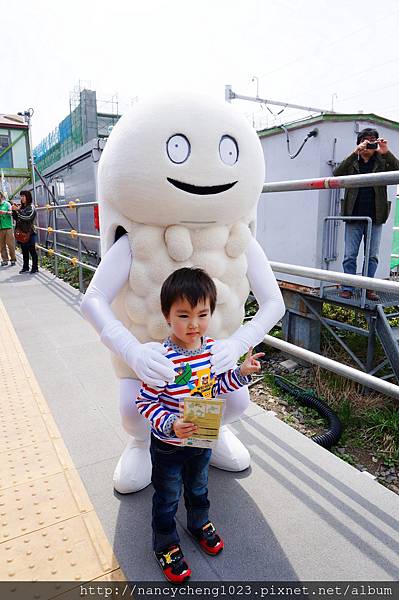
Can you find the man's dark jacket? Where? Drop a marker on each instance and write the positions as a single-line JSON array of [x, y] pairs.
[[350, 166]]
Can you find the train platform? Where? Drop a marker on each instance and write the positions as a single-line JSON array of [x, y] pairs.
[[298, 514]]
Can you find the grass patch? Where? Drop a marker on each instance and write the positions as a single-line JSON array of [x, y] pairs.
[[66, 271], [381, 428]]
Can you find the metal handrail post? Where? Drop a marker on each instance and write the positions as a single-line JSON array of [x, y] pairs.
[[371, 342], [79, 250], [366, 259], [323, 250], [55, 243]]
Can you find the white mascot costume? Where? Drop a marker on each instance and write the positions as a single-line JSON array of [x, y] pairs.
[[179, 182]]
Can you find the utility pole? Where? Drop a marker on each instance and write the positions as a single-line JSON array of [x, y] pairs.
[[27, 115], [334, 95], [254, 77]]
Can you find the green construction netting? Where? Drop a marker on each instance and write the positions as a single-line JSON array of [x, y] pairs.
[[65, 138]]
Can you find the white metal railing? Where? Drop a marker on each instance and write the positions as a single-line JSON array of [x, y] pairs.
[[325, 183], [75, 261], [320, 274], [390, 389], [71, 204], [336, 277], [72, 259], [347, 181], [72, 232]]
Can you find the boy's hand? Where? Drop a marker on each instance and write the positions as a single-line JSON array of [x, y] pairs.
[[251, 364], [184, 430]]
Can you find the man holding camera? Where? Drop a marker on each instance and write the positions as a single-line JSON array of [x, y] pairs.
[[371, 155]]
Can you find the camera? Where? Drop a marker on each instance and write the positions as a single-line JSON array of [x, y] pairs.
[[372, 145]]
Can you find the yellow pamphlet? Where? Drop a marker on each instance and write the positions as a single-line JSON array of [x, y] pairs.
[[206, 413]]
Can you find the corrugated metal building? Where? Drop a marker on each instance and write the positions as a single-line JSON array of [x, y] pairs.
[[290, 224]]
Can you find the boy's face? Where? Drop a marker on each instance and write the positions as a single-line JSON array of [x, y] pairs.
[[189, 324]]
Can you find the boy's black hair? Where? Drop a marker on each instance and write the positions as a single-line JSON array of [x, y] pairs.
[[187, 283]]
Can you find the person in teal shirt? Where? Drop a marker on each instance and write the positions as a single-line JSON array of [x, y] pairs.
[[7, 239]]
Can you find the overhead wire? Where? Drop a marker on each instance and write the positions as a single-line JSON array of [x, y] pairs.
[[336, 41], [330, 84], [333, 43], [373, 67], [384, 87]]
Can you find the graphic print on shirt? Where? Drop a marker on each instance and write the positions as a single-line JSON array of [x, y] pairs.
[[205, 387], [161, 406]]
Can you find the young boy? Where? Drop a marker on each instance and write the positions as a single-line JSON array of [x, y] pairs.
[[188, 299]]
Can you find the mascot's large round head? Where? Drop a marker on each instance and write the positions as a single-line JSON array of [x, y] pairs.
[[183, 159]]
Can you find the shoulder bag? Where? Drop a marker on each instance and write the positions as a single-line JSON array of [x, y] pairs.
[[22, 236]]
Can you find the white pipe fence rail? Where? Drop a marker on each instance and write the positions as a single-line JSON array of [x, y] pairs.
[[384, 387], [350, 181], [72, 232], [71, 204], [326, 183], [384, 285], [73, 260]]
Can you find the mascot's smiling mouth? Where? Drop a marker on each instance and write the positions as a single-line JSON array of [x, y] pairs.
[[199, 189]]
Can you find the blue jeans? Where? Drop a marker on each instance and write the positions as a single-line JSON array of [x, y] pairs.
[[173, 467], [354, 232]]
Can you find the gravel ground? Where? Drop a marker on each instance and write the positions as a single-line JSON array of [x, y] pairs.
[[308, 423]]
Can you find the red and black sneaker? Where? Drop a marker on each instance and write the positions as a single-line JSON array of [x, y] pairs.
[[172, 564], [208, 539]]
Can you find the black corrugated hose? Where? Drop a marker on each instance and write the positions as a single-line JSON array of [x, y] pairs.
[[334, 432]]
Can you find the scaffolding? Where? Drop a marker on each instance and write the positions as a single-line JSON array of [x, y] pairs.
[[84, 122]]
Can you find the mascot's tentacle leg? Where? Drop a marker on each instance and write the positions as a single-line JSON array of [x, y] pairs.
[[230, 454], [133, 471]]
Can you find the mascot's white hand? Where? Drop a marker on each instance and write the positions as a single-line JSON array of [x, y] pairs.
[[150, 364], [225, 354]]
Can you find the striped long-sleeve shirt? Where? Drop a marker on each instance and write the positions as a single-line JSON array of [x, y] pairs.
[[193, 378]]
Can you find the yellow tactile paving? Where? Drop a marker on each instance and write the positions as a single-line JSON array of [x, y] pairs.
[[57, 589], [42, 502], [49, 530], [74, 550]]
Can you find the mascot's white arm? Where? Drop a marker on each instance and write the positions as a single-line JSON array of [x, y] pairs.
[[147, 360], [271, 308]]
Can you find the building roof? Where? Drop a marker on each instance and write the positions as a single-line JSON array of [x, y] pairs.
[[329, 117], [13, 121]]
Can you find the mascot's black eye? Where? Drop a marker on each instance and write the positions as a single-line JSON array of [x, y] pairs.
[[178, 148], [228, 150]]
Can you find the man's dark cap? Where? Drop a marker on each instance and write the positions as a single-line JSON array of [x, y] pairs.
[[365, 133]]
